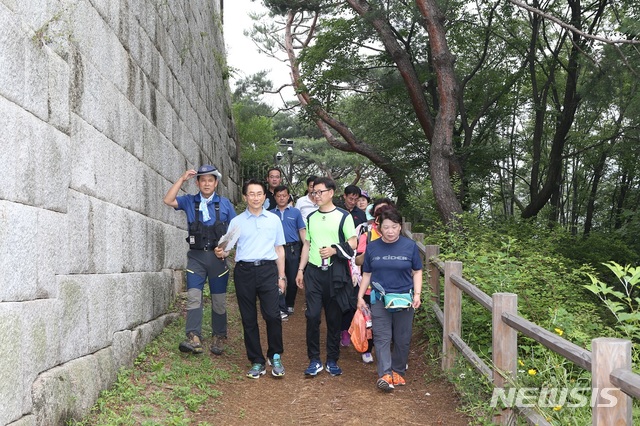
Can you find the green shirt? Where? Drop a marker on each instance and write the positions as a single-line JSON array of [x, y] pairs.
[[322, 231]]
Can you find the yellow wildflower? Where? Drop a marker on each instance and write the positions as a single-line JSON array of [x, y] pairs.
[[521, 363], [532, 372], [558, 331], [557, 408]]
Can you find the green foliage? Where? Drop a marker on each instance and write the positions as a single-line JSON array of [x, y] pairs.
[[595, 248], [623, 304], [522, 257]]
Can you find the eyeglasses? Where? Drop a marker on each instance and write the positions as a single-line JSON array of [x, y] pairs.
[[319, 192]]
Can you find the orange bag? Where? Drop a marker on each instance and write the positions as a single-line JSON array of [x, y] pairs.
[[359, 332]]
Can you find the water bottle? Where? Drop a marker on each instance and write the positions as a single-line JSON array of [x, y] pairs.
[[324, 264], [366, 313]]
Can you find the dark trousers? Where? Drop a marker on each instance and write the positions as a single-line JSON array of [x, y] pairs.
[[291, 264], [317, 295], [259, 282]]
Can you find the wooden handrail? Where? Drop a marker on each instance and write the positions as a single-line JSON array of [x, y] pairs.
[[609, 363], [478, 295], [557, 344]]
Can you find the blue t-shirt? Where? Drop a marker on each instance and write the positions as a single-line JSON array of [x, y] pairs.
[[189, 202], [391, 264], [292, 222]]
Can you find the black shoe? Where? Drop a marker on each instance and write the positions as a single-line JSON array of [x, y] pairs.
[[217, 347], [192, 344]]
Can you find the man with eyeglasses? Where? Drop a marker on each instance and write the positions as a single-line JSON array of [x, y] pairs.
[[325, 276], [259, 273]]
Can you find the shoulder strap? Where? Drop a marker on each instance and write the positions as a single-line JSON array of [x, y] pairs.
[[217, 207], [341, 233], [197, 208]]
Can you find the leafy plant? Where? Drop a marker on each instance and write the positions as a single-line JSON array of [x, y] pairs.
[[623, 303]]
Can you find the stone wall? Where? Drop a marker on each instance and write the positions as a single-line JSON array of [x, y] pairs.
[[103, 104]]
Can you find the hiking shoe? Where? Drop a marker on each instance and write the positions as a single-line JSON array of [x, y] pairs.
[[333, 369], [277, 369], [192, 344], [313, 369], [367, 358], [256, 371], [290, 310], [218, 345], [284, 316], [345, 338], [398, 380], [385, 383]]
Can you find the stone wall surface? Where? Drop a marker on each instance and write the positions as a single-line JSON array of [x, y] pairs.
[[103, 105]]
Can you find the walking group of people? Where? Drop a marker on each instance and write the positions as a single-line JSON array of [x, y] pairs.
[[314, 245]]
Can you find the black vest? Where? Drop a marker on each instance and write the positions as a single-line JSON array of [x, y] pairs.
[[206, 237]]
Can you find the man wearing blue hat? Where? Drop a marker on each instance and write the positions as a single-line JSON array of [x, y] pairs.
[[208, 216]]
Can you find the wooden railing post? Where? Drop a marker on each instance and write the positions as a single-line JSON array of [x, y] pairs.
[[505, 348], [452, 313], [406, 226], [434, 272], [611, 405]]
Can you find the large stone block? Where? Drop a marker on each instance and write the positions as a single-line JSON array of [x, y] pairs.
[[79, 236], [98, 314], [66, 392], [19, 267], [58, 89], [11, 361], [39, 336], [52, 251], [74, 326], [35, 171], [12, 63], [29, 420]]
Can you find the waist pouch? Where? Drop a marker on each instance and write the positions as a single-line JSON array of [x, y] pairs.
[[394, 302]]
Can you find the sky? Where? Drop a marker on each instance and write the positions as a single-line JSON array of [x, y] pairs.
[[242, 53]]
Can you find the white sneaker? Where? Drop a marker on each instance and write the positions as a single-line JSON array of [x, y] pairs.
[[367, 358]]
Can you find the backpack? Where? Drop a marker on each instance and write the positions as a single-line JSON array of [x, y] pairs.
[[354, 270]]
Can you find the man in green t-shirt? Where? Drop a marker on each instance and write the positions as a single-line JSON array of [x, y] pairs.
[[330, 241]]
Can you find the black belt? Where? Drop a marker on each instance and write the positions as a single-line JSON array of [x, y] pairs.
[[257, 262], [319, 267], [206, 248], [295, 243]]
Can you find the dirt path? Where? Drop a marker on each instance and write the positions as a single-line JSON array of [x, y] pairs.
[[349, 399]]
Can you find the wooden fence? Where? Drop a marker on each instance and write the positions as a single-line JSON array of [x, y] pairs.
[[609, 361]]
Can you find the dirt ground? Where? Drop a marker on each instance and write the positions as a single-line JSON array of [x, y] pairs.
[[349, 399]]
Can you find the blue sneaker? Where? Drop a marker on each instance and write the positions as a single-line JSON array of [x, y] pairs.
[[333, 369], [256, 371], [313, 369], [277, 369]]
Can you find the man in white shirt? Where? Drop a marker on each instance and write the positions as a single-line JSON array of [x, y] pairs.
[[307, 203]]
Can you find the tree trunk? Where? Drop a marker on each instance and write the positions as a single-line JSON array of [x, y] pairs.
[[442, 151], [597, 175], [439, 133]]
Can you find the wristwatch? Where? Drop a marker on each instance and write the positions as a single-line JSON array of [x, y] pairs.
[[282, 278]]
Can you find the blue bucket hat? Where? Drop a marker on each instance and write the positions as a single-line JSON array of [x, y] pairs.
[[208, 169]]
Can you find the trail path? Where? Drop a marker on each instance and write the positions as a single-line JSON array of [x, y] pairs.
[[349, 399]]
